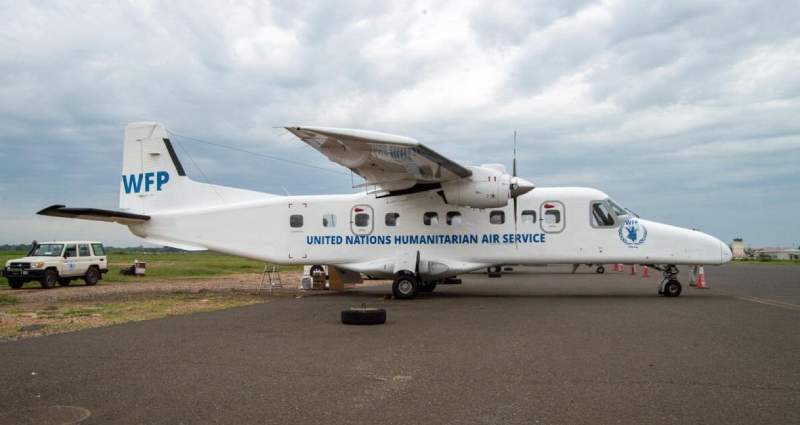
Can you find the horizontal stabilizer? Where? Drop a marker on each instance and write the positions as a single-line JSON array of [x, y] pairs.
[[94, 214]]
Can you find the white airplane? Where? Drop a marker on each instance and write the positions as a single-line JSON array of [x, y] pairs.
[[427, 219]]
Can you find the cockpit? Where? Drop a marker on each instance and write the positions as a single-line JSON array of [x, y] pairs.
[[608, 213]]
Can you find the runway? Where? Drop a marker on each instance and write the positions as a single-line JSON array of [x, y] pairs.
[[539, 345]]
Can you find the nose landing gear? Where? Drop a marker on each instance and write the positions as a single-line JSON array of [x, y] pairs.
[[669, 286]]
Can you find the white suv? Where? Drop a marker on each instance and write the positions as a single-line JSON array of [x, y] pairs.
[[53, 263]]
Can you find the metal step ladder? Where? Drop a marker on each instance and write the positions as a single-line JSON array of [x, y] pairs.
[[270, 278]]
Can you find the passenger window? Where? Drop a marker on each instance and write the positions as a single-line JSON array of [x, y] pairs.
[[98, 249], [601, 216], [296, 220], [329, 220], [497, 217], [83, 250], [453, 218], [529, 217], [71, 251], [362, 220], [430, 219], [391, 219], [552, 217]]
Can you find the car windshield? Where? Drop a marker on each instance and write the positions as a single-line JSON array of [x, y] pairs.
[[48, 250]]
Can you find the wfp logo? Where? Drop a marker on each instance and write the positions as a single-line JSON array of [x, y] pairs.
[[134, 182], [632, 233]]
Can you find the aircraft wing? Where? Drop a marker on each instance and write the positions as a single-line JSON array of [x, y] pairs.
[[393, 163]]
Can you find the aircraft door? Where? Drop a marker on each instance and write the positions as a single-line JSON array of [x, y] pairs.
[[361, 222], [296, 239], [552, 216]]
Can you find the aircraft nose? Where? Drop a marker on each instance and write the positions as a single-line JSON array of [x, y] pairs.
[[727, 255]]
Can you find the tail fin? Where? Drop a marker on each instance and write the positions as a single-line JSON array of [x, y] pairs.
[[153, 178]]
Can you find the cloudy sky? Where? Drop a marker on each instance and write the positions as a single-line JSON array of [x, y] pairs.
[[687, 112]]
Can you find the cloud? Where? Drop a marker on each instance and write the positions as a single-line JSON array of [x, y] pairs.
[[685, 111]]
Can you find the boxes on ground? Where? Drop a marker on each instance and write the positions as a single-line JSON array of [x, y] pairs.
[[318, 279], [139, 267]]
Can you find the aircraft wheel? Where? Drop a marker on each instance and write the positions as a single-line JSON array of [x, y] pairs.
[[600, 269], [405, 287], [672, 288]]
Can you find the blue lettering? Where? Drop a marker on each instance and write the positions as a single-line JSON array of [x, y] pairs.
[[132, 183], [149, 178], [162, 177]]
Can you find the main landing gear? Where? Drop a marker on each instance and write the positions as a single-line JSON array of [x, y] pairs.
[[406, 286], [669, 286]]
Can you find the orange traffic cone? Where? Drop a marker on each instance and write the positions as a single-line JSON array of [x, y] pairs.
[[645, 271], [633, 269], [701, 279]]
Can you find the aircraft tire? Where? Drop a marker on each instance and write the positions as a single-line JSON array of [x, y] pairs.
[[672, 288], [600, 269], [364, 316], [405, 287]]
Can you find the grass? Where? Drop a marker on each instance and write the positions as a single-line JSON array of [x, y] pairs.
[[34, 320], [172, 265], [6, 299]]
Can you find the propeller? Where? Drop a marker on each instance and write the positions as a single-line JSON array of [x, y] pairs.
[[514, 186], [517, 186]]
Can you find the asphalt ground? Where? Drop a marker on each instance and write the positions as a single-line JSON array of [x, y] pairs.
[[539, 345]]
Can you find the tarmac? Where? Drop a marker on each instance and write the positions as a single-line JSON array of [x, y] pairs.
[[537, 346]]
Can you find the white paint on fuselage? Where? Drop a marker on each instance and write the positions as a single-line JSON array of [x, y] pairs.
[[260, 230]]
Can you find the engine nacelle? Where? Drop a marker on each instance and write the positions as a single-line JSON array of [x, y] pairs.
[[487, 187]]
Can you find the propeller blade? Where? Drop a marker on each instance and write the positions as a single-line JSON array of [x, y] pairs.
[[515, 222], [514, 163]]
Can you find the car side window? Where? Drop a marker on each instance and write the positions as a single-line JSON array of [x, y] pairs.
[[70, 251], [83, 250], [98, 249]]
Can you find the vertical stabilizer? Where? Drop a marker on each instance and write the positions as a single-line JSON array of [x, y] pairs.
[[153, 178]]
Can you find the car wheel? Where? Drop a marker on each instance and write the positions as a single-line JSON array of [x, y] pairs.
[[92, 276], [50, 279], [15, 283], [64, 281]]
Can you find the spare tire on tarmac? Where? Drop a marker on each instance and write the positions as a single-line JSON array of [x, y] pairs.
[[364, 316]]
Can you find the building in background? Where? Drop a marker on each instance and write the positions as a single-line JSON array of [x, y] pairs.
[[738, 249], [774, 253]]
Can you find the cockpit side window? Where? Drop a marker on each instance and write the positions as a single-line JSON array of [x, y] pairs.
[[601, 215], [617, 209]]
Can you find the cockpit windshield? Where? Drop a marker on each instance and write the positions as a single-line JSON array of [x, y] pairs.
[[48, 250], [618, 209]]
